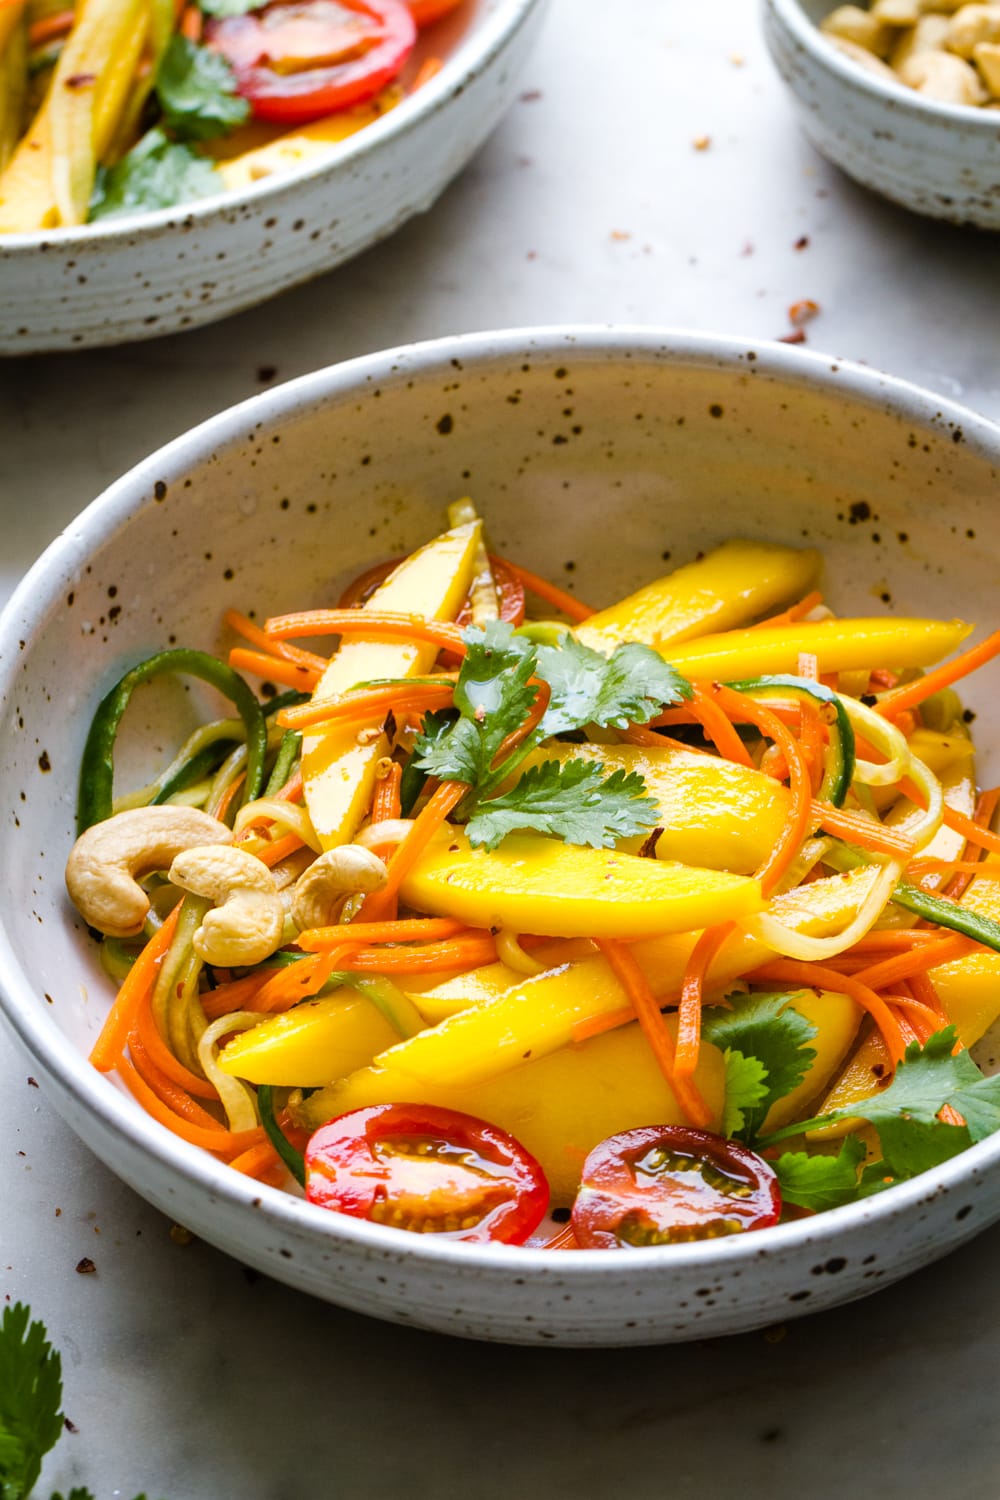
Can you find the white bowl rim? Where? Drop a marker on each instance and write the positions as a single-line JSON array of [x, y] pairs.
[[898, 96], [45, 1041], [470, 56]]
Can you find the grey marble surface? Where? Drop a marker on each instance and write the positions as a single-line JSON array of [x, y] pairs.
[[650, 172]]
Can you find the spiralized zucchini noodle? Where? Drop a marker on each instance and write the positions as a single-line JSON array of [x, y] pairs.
[[520, 904]]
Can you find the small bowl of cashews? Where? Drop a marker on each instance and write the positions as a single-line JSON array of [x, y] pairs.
[[902, 95]]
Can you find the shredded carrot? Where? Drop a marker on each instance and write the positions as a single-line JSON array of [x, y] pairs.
[[140, 978], [386, 805], [429, 68], [226, 800], [470, 951], [292, 789], [819, 976], [415, 929], [920, 868], [273, 854], [922, 688], [374, 703], [219, 1140], [864, 833], [234, 995], [702, 709], [369, 623], [739, 706], [272, 646], [261, 1162], [510, 743], [550, 593], [48, 28], [146, 1035], [433, 814], [661, 1043], [689, 1009], [794, 613], [289, 674], [918, 960], [191, 25], [893, 939], [923, 989], [986, 806], [166, 1090]]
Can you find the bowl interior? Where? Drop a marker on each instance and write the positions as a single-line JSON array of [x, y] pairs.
[[599, 460]]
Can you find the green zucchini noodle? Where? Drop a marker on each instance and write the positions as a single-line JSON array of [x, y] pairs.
[[201, 739], [814, 949], [238, 1100], [510, 952]]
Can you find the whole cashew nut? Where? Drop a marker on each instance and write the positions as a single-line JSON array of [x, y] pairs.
[[105, 860], [245, 925], [338, 873]]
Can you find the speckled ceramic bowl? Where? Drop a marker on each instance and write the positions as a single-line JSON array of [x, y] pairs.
[[942, 160], [157, 273], [594, 455]]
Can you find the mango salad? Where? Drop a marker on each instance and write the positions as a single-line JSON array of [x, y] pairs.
[[493, 916]]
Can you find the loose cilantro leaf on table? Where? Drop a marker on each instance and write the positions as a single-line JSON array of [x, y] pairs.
[[30, 1397], [574, 801], [196, 91], [156, 173], [769, 1029], [494, 695]]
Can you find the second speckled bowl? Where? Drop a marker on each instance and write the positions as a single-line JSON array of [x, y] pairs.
[[594, 456], [942, 160]]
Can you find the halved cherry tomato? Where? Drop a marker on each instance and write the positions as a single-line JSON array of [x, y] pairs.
[[426, 12], [296, 60], [510, 591], [666, 1184], [429, 1170]]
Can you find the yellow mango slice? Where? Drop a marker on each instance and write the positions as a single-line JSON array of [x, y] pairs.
[[559, 1107], [713, 812], [13, 76], [836, 1018], [969, 988], [300, 147], [837, 644], [48, 179], [730, 586], [536, 884], [339, 773], [311, 1044]]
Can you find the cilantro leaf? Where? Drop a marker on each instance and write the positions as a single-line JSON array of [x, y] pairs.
[[911, 1135], [196, 91], [630, 686], [766, 1027], [820, 1182], [746, 1088], [156, 173], [573, 800], [493, 697], [30, 1397]]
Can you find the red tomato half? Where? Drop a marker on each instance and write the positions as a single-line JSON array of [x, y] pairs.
[[666, 1184], [509, 590], [296, 60], [429, 1170], [425, 12]]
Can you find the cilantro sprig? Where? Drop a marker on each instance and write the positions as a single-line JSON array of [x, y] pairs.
[[765, 1044], [195, 89], [31, 1422], [495, 693]]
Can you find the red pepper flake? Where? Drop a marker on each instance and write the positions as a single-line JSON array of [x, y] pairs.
[[32, 1082], [70, 1426], [802, 243], [797, 337], [85, 1267], [81, 80], [802, 312], [702, 142]]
